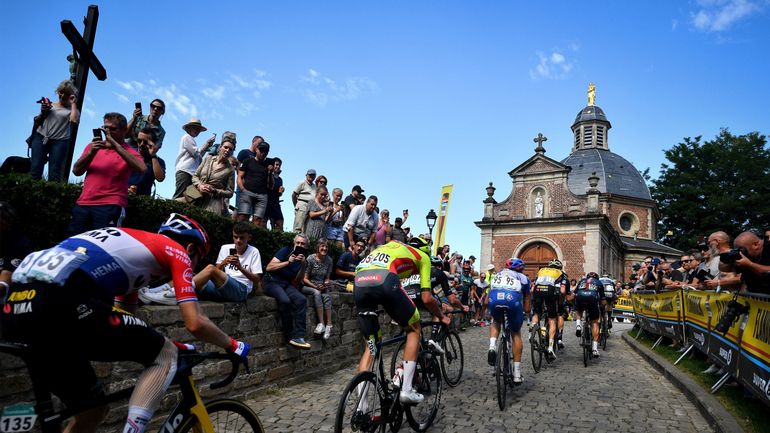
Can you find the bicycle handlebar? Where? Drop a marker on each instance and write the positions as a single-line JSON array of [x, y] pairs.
[[235, 360]]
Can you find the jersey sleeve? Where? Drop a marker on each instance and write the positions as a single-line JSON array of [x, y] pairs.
[[424, 266]]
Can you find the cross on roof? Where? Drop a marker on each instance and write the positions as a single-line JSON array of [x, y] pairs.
[[539, 140]]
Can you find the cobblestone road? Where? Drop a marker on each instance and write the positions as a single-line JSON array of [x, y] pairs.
[[617, 392]]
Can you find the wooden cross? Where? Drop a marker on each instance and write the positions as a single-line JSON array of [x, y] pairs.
[[539, 140], [83, 49]]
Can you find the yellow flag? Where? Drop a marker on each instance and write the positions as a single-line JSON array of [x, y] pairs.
[[443, 209]]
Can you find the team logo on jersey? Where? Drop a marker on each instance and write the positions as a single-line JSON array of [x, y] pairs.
[[368, 278], [188, 275]]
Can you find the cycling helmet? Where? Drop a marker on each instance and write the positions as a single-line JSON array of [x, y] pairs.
[[180, 227], [514, 263], [555, 263], [592, 275], [436, 261], [420, 243]]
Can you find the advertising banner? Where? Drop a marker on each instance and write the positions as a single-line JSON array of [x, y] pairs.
[[668, 309], [644, 307], [722, 349], [754, 359], [696, 318], [624, 308], [443, 210]]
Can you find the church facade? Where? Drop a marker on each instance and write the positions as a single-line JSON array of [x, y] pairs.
[[592, 210]]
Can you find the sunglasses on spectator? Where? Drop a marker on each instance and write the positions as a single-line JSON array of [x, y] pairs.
[[322, 181], [156, 107], [687, 260], [141, 141]]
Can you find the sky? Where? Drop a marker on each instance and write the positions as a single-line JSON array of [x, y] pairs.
[[403, 97]]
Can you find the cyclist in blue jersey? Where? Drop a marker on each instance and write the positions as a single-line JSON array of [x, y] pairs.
[[509, 288], [589, 293]]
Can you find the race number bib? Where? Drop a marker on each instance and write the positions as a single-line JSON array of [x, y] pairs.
[[53, 266], [506, 282], [376, 259], [17, 418]]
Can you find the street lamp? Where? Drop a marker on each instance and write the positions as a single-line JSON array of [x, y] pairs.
[[430, 219]]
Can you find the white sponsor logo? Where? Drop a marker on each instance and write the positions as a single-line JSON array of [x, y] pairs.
[[171, 426], [700, 338], [22, 308], [727, 355]]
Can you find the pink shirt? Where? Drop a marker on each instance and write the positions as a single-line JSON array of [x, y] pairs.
[[106, 178]]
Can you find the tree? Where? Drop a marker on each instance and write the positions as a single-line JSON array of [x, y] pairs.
[[722, 184]]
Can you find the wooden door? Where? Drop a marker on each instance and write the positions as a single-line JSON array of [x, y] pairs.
[[536, 256]]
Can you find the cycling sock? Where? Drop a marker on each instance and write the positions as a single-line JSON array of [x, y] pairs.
[[138, 417], [550, 343], [516, 368], [492, 342], [409, 367], [595, 345], [152, 385]]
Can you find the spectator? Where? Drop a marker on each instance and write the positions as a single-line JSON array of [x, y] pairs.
[[255, 177], [478, 299], [716, 278], [142, 183], [466, 281], [346, 265], [107, 164], [14, 246], [189, 157], [398, 233], [243, 155], [321, 181], [139, 122], [238, 268], [302, 195], [384, 228], [443, 253], [753, 262], [50, 139], [226, 136], [490, 273], [317, 284], [215, 179], [472, 260], [362, 222], [273, 212], [319, 211], [671, 278], [456, 263], [690, 265], [284, 276], [334, 231], [350, 202]]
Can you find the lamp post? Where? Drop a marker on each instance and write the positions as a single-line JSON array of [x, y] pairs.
[[430, 219]]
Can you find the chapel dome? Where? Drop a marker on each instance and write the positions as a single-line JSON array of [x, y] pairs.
[[590, 113], [616, 175]]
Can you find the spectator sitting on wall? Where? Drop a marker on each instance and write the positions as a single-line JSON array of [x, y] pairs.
[[142, 183], [285, 274], [346, 264], [317, 283]]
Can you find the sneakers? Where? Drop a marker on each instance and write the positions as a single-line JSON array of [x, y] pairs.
[[328, 332], [482, 323], [299, 343], [436, 347], [491, 357], [517, 379], [163, 295], [473, 322], [578, 329], [560, 344], [595, 353], [550, 354], [711, 370], [410, 397], [319, 329]]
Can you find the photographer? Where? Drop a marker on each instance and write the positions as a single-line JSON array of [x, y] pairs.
[[285, 274], [711, 276], [751, 256], [141, 183], [50, 139]]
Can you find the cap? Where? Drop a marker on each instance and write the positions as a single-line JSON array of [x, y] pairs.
[[655, 261], [490, 267], [472, 258], [358, 188], [399, 220], [311, 171]]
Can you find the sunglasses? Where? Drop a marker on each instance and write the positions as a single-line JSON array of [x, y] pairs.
[[687, 260], [156, 107]]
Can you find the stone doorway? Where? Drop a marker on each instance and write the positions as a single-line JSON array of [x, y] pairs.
[[536, 256]]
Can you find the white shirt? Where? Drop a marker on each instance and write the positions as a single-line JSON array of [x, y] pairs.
[[363, 225], [250, 260], [189, 157]]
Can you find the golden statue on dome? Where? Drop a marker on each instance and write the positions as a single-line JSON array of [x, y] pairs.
[[591, 93]]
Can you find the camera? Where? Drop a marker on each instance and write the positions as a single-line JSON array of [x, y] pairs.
[[732, 313], [729, 257]]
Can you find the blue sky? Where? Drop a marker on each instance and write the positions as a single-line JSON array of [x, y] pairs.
[[403, 97]]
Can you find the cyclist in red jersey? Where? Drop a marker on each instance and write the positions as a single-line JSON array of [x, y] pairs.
[[61, 302]]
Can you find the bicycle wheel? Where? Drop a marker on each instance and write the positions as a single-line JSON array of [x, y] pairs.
[[603, 334], [427, 381], [360, 408], [397, 358], [586, 346], [226, 416], [501, 370], [534, 348], [452, 361]]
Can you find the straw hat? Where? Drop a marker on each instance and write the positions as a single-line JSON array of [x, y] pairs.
[[196, 123]]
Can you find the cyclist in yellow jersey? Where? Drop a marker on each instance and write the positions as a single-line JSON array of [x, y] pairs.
[[378, 282]]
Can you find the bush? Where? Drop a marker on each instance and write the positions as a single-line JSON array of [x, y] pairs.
[[45, 208]]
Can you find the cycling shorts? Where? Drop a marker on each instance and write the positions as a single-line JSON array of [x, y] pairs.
[[66, 328], [373, 287], [550, 303], [588, 301], [415, 294], [512, 301]]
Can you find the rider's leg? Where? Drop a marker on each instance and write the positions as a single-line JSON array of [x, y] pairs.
[[410, 354], [150, 388], [595, 334]]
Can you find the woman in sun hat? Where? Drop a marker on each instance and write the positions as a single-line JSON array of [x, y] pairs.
[[189, 157]]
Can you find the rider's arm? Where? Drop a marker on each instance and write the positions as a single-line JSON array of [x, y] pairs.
[[202, 327], [427, 293]]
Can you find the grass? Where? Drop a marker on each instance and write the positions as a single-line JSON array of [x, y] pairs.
[[752, 415]]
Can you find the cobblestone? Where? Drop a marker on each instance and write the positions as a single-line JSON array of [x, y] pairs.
[[617, 392]]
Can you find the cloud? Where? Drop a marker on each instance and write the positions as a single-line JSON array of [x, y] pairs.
[[320, 90], [674, 25], [553, 66], [216, 93], [720, 15], [121, 97]]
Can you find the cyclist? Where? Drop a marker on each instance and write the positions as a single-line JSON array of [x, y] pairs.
[[589, 292], [608, 298], [509, 288], [551, 283], [378, 282], [66, 313], [563, 310]]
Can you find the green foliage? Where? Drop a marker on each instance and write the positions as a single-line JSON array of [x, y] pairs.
[[45, 209], [722, 184]]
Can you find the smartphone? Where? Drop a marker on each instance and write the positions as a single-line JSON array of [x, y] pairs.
[[300, 250], [97, 133], [138, 105], [233, 251]]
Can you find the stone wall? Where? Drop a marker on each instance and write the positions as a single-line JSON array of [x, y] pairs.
[[273, 363]]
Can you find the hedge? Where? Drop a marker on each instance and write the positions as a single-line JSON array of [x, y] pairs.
[[44, 211]]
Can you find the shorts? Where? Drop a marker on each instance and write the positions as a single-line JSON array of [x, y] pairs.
[[334, 233], [375, 287], [273, 211], [55, 320], [588, 301], [231, 291], [252, 204], [550, 303], [510, 300]]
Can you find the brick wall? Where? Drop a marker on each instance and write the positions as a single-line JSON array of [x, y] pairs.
[[570, 244], [616, 209], [272, 362]]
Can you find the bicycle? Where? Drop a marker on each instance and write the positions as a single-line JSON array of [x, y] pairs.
[[452, 360], [370, 400], [604, 332], [503, 368], [586, 341], [190, 414], [538, 341]]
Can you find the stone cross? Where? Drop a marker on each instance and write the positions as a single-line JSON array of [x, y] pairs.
[[83, 51], [539, 140]]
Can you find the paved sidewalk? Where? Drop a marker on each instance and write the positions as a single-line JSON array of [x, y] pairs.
[[617, 392]]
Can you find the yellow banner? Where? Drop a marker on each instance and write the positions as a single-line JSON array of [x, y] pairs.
[[668, 307], [624, 304], [443, 210], [756, 335], [718, 304], [695, 308]]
